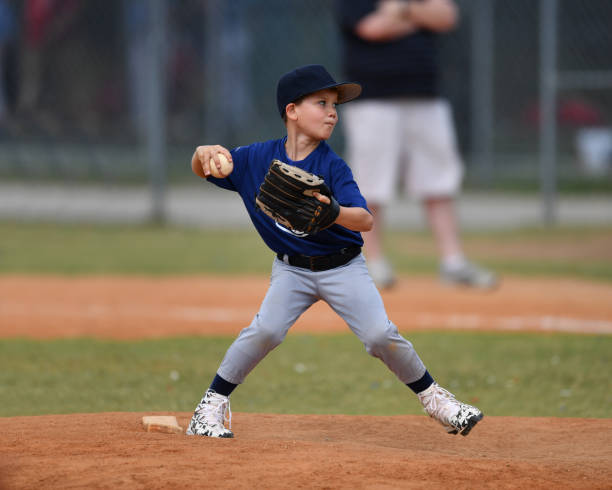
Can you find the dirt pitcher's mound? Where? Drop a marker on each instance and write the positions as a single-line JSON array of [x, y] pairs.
[[112, 450]]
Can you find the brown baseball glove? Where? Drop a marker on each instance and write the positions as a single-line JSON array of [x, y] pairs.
[[286, 196]]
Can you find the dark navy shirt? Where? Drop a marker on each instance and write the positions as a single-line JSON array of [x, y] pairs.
[[404, 67], [251, 164]]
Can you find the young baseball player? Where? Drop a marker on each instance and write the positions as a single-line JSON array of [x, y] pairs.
[[327, 265]]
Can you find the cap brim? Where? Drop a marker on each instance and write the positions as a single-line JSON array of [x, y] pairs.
[[348, 91]]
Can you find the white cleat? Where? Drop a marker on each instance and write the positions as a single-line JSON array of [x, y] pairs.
[[470, 275], [210, 416], [456, 417]]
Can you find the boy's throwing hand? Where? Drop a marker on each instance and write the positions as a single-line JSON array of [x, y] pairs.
[[204, 155]]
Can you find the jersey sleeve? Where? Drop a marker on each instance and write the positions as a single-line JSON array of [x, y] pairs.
[[344, 188], [233, 181]]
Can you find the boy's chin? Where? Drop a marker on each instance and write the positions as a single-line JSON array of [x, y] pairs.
[[326, 135], [321, 135]]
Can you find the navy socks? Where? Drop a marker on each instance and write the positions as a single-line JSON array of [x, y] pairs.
[[421, 384], [221, 386], [225, 388]]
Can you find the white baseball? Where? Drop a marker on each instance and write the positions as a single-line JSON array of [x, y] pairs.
[[226, 167]]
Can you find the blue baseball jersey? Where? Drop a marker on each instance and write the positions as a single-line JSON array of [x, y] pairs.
[[251, 164]]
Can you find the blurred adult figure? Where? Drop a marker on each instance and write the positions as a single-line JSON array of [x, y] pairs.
[[401, 127]]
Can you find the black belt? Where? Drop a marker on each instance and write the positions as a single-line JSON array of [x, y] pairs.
[[318, 263]]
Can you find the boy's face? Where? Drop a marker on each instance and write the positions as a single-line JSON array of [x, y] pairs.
[[317, 115]]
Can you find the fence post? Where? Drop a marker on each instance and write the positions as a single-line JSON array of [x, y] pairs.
[[482, 88], [156, 123], [548, 109]]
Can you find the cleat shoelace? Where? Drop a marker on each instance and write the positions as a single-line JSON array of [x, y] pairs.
[[441, 405], [215, 410]]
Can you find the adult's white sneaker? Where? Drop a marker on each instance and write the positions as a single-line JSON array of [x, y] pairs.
[[469, 274]]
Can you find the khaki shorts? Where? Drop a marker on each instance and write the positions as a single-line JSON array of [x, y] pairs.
[[409, 140]]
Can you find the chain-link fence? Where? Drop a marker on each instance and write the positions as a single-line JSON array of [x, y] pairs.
[[89, 91]]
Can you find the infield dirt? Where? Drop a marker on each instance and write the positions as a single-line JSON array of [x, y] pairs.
[[111, 450], [146, 307]]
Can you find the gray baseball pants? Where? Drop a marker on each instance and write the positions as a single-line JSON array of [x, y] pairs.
[[350, 292]]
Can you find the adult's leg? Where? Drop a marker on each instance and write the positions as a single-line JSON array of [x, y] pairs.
[[440, 213], [372, 130], [436, 171], [454, 267], [373, 239]]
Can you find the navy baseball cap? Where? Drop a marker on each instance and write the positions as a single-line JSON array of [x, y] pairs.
[[308, 79]]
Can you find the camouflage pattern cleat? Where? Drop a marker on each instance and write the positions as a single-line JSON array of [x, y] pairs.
[[210, 416], [456, 417]]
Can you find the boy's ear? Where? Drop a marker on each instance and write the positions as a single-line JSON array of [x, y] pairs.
[[290, 111]]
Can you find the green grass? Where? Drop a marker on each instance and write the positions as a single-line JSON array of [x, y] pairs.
[[153, 250], [99, 249], [504, 374], [580, 252]]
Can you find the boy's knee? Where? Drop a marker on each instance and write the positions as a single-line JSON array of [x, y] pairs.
[[268, 334], [385, 340], [377, 341], [271, 337]]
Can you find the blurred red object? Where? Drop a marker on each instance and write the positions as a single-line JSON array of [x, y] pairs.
[[46, 18], [570, 112]]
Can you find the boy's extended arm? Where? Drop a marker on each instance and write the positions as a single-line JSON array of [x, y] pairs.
[[356, 219]]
